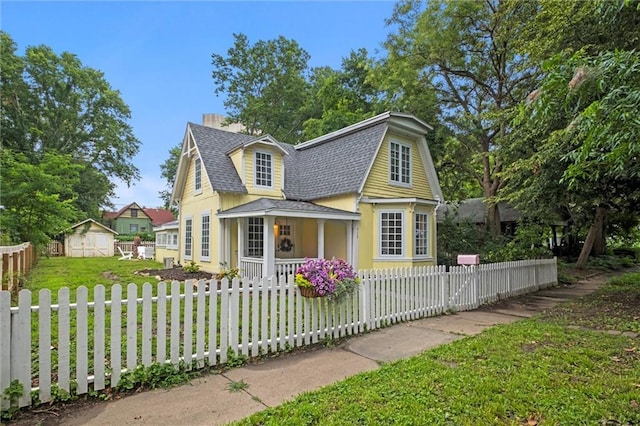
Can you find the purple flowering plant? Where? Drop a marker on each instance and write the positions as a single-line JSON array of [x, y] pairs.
[[333, 278]]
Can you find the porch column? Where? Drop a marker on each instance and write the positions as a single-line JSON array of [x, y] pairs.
[[221, 243], [354, 233], [268, 247], [227, 242], [320, 238], [241, 222], [350, 242]]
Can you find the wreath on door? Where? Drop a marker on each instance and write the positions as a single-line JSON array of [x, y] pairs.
[[285, 245]]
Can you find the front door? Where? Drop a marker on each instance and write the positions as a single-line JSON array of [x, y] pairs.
[[284, 240]]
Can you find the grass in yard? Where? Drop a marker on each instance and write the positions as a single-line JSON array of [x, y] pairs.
[[57, 272], [533, 372], [614, 307]]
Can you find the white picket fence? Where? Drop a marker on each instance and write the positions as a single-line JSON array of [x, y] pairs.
[[87, 343]]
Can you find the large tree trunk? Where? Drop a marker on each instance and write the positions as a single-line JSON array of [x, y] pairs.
[[493, 219], [598, 222], [599, 244]]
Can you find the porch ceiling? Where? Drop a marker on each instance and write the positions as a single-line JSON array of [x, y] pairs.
[[286, 208]]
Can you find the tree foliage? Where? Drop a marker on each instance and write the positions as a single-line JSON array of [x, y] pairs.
[[37, 199], [265, 85], [467, 51], [168, 171], [578, 134], [54, 107]]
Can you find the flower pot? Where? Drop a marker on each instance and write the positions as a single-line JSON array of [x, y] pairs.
[[309, 292]]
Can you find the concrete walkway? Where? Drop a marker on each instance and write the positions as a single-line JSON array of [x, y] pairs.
[[270, 382]]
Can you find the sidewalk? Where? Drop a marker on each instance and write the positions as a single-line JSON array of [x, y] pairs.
[[270, 382]]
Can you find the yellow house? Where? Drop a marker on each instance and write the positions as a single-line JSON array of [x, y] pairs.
[[366, 193]]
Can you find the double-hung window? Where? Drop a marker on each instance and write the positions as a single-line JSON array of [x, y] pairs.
[[205, 237], [255, 237], [198, 175], [391, 233], [400, 163], [263, 167], [421, 242], [188, 229]]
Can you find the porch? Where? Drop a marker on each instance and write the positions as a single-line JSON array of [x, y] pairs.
[[252, 266], [267, 237]]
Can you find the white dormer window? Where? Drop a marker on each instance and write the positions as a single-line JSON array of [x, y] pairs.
[[263, 167], [198, 175], [400, 163]]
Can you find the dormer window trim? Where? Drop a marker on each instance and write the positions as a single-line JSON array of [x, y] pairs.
[[263, 175], [400, 159], [197, 176]]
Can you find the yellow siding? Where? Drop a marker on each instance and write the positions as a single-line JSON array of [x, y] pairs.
[[193, 206], [162, 252], [378, 184], [342, 202], [335, 239], [366, 242], [236, 158], [249, 159], [369, 235], [189, 185], [309, 238]]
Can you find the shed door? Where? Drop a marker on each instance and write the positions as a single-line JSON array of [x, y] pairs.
[[102, 245], [89, 245], [76, 246]]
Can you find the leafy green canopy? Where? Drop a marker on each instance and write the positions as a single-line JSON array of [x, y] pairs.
[[55, 107], [265, 85], [37, 199], [467, 53]]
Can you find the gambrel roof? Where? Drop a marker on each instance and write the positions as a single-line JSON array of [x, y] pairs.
[[333, 164]]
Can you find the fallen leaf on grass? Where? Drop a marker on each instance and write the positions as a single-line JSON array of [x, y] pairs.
[[633, 349], [615, 358], [634, 404]]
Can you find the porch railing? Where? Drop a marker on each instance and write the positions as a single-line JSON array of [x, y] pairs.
[[251, 267]]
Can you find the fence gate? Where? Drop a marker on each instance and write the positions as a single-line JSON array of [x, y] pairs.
[[463, 287]]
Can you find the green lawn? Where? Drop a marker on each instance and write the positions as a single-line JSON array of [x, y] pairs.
[[57, 272], [533, 372]]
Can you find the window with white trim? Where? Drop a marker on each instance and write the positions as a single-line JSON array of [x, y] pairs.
[[188, 229], [391, 233], [172, 240], [421, 242], [255, 236], [198, 175], [263, 169], [205, 237], [161, 239], [133, 228], [400, 163]]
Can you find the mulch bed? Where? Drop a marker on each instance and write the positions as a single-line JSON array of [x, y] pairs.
[[175, 274]]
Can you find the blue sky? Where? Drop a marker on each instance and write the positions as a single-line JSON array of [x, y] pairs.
[[158, 54]]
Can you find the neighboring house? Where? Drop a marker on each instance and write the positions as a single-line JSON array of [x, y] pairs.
[[366, 193], [476, 211], [89, 239], [133, 219], [166, 241]]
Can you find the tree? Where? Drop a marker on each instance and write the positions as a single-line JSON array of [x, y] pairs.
[[37, 200], [54, 104], [344, 96], [168, 171], [466, 51], [265, 86], [577, 135], [585, 122]]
